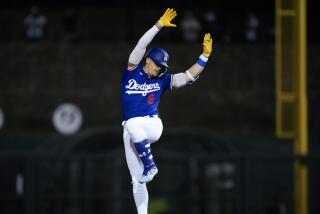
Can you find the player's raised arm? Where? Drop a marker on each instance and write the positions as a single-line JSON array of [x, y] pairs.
[[140, 49], [191, 75]]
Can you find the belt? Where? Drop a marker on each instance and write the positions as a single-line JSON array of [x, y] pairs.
[[147, 116], [152, 116]]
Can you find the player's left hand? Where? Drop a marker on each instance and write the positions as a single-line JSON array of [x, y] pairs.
[[207, 45]]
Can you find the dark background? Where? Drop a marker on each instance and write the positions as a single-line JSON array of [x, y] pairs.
[[228, 116], [238, 88]]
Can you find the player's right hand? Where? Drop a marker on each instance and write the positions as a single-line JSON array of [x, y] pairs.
[[167, 17]]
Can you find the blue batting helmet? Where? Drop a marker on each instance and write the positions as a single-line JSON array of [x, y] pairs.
[[159, 56]]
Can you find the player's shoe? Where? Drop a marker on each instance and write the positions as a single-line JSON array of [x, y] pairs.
[[148, 173]]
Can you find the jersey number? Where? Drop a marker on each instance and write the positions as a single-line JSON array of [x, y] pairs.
[[150, 99]]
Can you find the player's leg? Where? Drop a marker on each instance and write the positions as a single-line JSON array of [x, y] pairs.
[[153, 129], [133, 161], [142, 144], [150, 169], [140, 192]]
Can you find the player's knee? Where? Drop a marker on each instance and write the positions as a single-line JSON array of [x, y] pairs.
[[155, 137], [155, 134], [137, 186]]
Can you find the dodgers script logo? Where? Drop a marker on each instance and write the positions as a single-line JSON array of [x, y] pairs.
[[136, 88]]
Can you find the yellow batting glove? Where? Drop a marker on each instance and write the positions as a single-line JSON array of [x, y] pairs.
[[167, 17], [207, 45]]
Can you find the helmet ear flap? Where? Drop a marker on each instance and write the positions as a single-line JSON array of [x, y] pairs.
[[163, 70], [162, 73]]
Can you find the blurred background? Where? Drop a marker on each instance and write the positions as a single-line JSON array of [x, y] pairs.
[[61, 147]]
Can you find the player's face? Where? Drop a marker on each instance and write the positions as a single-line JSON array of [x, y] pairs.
[[152, 68]]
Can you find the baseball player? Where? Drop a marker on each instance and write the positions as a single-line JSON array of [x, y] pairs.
[[144, 81]]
